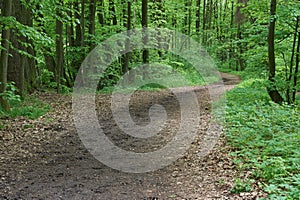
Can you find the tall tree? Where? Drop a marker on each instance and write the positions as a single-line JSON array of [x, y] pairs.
[[272, 90], [22, 53], [145, 25], [59, 47], [198, 5], [297, 61], [6, 12], [127, 44], [92, 23]]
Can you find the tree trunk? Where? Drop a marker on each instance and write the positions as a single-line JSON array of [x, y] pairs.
[[92, 23], [289, 79], [204, 21], [272, 90], [59, 50], [127, 56], [145, 25], [78, 26], [198, 17], [18, 61], [297, 64], [6, 11], [82, 23]]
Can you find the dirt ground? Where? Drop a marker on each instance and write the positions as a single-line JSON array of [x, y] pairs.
[[45, 158]]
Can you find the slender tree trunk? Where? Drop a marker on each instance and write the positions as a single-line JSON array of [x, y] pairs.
[[160, 18], [145, 25], [204, 21], [127, 45], [82, 23], [78, 26], [70, 26], [70, 41], [240, 19], [297, 63], [6, 11], [92, 23], [232, 36], [272, 90], [59, 50], [289, 79], [198, 5]]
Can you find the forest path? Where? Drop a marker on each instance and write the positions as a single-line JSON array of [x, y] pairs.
[[45, 159]]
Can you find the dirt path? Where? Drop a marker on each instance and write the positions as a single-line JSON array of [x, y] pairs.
[[45, 159]]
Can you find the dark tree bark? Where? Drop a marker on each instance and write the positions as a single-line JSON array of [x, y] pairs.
[[79, 39], [127, 56], [82, 23], [297, 63], [240, 19], [204, 21], [18, 61], [145, 25], [198, 5], [92, 23], [78, 26], [272, 90], [7, 5], [59, 49], [289, 79]]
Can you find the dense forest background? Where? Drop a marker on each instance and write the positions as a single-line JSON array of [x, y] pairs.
[[43, 44]]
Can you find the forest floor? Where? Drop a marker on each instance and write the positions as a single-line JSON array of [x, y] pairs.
[[45, 158]]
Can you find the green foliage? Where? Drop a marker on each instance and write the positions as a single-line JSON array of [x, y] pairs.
[[266, 139], [11, 93], [30, 107], [241, 186]]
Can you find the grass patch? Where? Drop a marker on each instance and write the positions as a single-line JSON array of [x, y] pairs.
[[266, 139], [30, 107]]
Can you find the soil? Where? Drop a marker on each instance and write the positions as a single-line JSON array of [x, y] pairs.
[[45, 158]]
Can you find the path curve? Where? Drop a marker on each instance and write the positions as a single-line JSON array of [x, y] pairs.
[[45, 159]]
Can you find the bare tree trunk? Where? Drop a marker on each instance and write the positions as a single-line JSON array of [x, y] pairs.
[[198, 5], [127, 45], [145, 25], [289, 79], [204, 21], [92, 23], [78, 26], [6, 11], [272, 90], [240, 19], [59, 50], [297, 63]]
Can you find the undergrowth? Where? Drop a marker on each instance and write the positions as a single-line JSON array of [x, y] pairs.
[[266, 138], [30, 107]]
